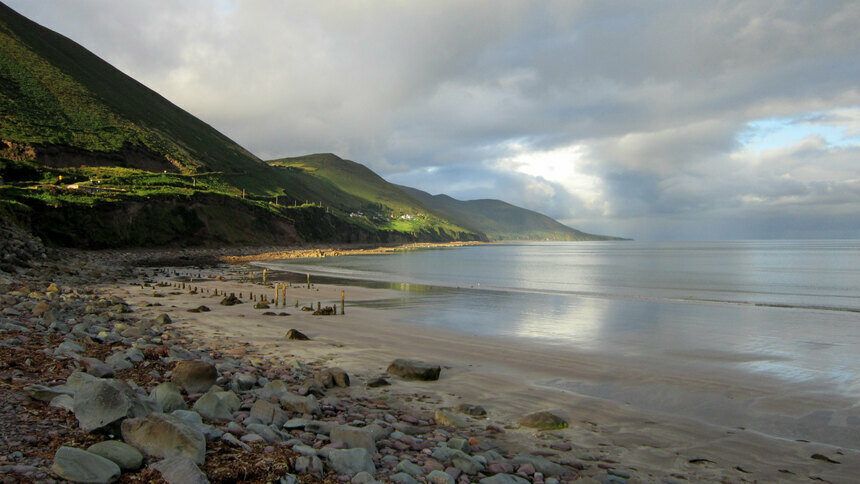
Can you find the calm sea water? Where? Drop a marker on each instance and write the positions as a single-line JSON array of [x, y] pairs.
[[790, 309]]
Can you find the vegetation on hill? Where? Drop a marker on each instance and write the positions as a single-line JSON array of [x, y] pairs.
[[89, 157]]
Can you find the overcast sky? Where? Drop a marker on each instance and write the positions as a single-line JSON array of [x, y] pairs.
[[651, 120]]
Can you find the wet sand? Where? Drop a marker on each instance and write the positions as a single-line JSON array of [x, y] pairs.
[[620, 408]]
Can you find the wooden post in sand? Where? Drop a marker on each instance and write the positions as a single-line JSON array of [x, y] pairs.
[[277, 294], [341, 303], [309, 280], [265, 272], [283, 295]]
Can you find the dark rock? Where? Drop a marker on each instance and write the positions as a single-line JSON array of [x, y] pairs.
[[125, 456], [378, 382], [414, 370], [297, 335], [199, 309], [473, 410], [230, 300]]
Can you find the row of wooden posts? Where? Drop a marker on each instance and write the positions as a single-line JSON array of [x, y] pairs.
[[279, 300]]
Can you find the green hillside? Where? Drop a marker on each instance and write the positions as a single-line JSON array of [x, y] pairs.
[[353, 190], [500, 220], [79, 137]]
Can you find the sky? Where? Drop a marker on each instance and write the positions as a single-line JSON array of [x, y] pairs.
[[659, 120]]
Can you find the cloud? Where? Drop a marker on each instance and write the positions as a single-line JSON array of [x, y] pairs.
[[679, 115]]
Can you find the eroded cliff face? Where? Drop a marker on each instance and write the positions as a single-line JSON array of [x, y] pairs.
[[60, 156], [201, 220]]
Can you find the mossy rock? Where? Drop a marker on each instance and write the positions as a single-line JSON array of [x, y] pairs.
[[543, 421]]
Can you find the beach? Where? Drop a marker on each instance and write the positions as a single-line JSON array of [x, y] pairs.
[[606, 439]]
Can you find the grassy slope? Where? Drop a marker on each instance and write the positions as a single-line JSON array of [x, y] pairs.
[[55, 92], [351, 187], [500, 220]]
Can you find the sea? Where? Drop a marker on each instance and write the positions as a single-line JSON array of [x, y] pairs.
[[789, 310]]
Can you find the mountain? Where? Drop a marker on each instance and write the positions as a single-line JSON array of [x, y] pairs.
[[91, 158], [500, 220]]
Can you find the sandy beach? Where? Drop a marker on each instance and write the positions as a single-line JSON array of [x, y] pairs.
[[511, 378]]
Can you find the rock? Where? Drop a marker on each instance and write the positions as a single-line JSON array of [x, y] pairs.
[[460, 444], [472, 410], [467, 464], [180, 470], [125, 456], [97, 368], [268, 413], [274, 388], [66, 402], [243, 382], [118, 361], [339, 377], [296, 403], [232, 440], [199, 309], [541, 464], [353, 437], [445, 417], [46, 394], [78, 465], [503, 479], [163, 319], [261, 305], [296, 423], [194, 376], [168, 397], [414, 370], [210, 407], [230, 399], [378, 382], [165, 436], [363, 477], [309, 464], [297, 335], [403, 478], [410, 468], [102, 402], [439, 477], [230, 300], [266, 432], [543, 421], [351, 461]]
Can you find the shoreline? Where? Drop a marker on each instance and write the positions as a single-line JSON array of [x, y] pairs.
[[606, 441], [479, 370]]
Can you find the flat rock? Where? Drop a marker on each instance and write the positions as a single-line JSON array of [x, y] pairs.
[[125, 456], [410, 468], [472, 410], [503, 479], [351, 461], [46, 394], [445, 417], [180, 470], [194, 376], [543, 421], [439, 477], [353, 437], [414, 370], [541, 464], [268, 413], [403, 478], [78, 465], [339, 377], [165, 436], [100, 403]]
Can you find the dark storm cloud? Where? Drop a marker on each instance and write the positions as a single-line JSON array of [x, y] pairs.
[[659, 98]]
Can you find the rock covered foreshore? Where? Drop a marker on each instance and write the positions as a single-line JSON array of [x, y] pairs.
[[94, 392]]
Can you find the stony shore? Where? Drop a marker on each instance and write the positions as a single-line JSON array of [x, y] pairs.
[[95, 387]]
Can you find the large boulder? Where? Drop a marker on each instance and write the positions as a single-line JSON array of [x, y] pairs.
[[414, 370], [78, 465], [353, 437], [194, 376], [351, 461], [165, 436], [125, 456], [99, 403]]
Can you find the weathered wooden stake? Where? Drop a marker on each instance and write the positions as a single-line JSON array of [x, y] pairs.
[[309, 280], [265, 272], [341, 302]]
